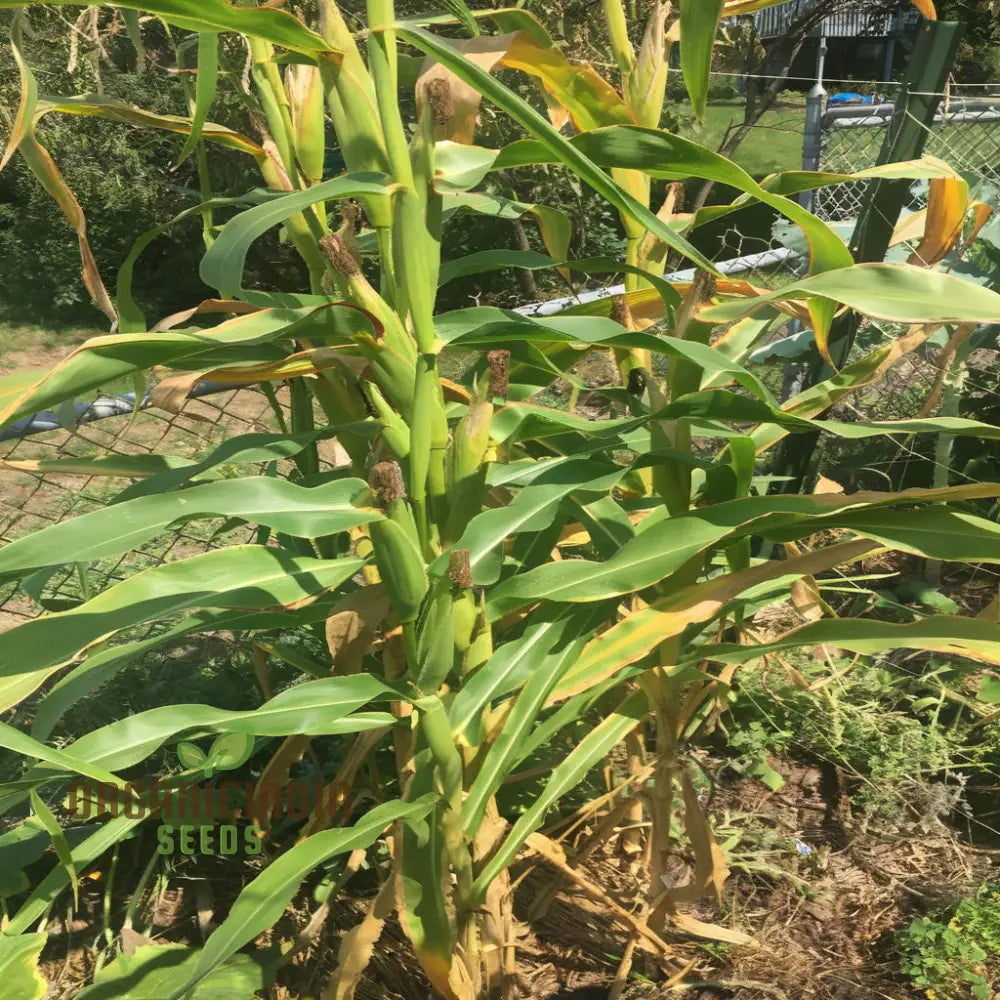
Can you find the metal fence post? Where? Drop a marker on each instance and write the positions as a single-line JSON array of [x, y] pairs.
[[812, 139]]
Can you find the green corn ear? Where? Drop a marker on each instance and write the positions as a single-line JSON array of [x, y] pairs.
[[435, 648], [465, 613], [401, 567], [467, 468], [395, 433], [397, 553], [305, 98]]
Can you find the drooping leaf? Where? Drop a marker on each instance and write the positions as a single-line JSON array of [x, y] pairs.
[[699, 24], [104, 359], [666, 546], [109, 531], [320, 707], [23, 140], [264, 900], [151, 973], [558, 147], [897, 292], [271, 23], [250, 576], [222, 265]]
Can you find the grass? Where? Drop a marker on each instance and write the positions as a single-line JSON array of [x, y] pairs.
[[25, 345], [774, 144]]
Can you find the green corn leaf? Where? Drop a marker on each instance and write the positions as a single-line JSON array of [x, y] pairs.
[[223, 263], [555, 144], [897, 292], [205, 84], [459, 9], [14, 739], [320, 707], [669, 156], [131, 318], [110, 531], [241, 449], [59, 842], [607, 524], [152, 971], [530, 260], [699, 25], [84, 854], [542, 646], [264, 900], [663, 548], [565, 776], [244, 577], [276, 26], [544, 674], [531, 510], [132, 26], [102, 665], [19, 966], [570, 711]]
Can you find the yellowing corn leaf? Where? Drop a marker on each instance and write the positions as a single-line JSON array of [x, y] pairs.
[[576, 89], [945, 218], [358, 945], [205, 306], [294, 366], [455, 103], [643, 631], [23, 140], [556, 856], [710, 867], [275, 774], [350, 629], [172, 393]]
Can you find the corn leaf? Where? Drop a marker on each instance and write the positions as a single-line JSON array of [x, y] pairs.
[[276, 26], [897, 292], [19, 966], [103, 664], [699, 25], [205, 84], [250, 576], [112, 530], [312, 708], [264, 900], [223, 263], [953, 635], [565, 776], [666, 546]]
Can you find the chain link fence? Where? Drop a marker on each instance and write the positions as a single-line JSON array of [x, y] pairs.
[[966, 134], [33, 497]]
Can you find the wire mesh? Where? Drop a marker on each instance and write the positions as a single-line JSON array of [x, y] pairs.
[[966, 134], [33, 500]]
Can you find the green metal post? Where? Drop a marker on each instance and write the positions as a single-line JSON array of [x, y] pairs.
[[913, 118]]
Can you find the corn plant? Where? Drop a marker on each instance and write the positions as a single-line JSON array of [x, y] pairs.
[[484, 570]]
